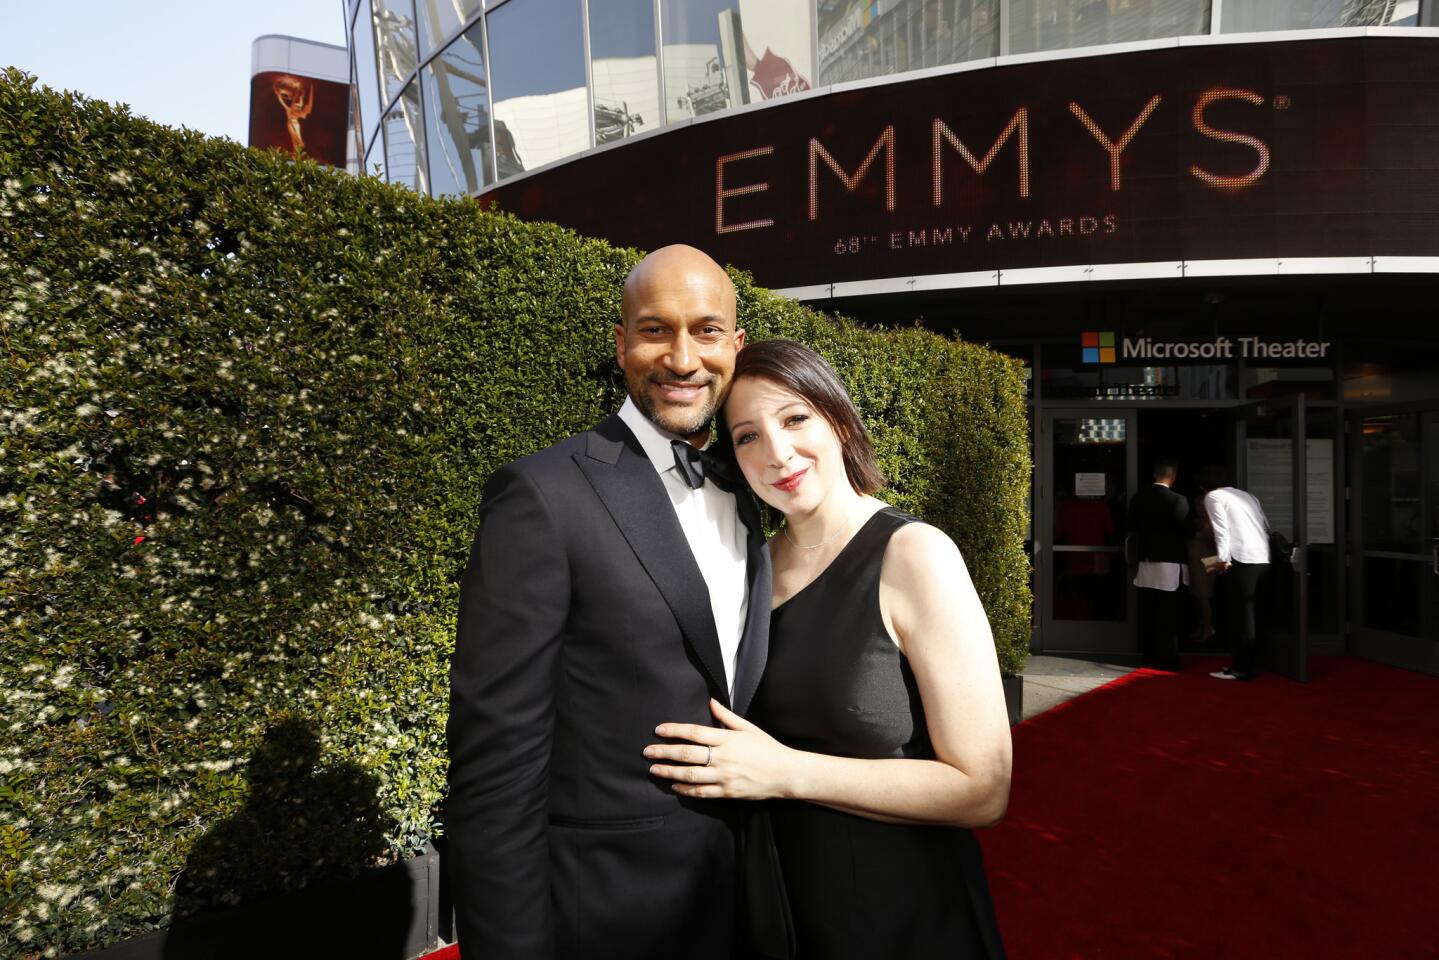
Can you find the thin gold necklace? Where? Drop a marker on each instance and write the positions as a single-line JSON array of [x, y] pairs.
[[823, 543]]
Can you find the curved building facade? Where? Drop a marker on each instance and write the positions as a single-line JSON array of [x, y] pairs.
[[458, 95], [1210, 231]]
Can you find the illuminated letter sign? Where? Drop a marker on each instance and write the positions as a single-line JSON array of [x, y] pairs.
[[943, 134], [1243, 180], [1115, 149], [817, 150], [722, 192]]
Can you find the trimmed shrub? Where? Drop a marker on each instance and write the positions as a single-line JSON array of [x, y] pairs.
[[247, 405]]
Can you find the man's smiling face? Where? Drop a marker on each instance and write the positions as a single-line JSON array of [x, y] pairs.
[[678, 341]]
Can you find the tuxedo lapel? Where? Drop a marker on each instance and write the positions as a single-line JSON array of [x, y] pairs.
[[633, 493], [754, 645]]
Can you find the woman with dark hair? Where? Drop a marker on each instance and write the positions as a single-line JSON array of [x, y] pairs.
[[879, 729]]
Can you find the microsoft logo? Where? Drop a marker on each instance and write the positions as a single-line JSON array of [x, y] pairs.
[[1098, 346]]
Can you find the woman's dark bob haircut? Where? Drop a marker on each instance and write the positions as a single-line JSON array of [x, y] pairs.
[[798, 369]]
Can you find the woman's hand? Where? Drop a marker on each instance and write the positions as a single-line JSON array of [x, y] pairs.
[[740, 761]]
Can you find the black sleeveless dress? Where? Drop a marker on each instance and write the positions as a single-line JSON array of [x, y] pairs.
[[835, 683]]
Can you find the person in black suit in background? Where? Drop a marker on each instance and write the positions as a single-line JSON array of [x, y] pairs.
[[1157, 518], [613, 584]]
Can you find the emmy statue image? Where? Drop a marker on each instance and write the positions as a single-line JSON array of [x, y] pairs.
[[298, 99]]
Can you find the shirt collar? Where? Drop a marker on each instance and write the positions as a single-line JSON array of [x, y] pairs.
[[654, 441]]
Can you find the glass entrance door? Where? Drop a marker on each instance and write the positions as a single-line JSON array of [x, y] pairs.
[[1394, 575], [1273, 464], [1086, 473]]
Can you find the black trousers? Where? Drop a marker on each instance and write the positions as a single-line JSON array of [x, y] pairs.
[[1240, 587], [1158, 615]]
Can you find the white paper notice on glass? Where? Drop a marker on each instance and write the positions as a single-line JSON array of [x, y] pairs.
[[1089, 484]]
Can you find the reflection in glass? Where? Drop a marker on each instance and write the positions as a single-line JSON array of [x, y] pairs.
[[1316, 383], [1064, 375], [856, 42], [439, 19], [1390, 464], [354, 146], [726, 53], [1057, 24], [1241, 16], [1089, 469], [374, 164], [1393, 595], [1089, 586], [624, 68], [538, 71], [365, 68], [458, 116], [394, 43], [405, 141], [1390, 370]]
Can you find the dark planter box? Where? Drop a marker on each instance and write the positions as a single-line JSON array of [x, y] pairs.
[[392, 913], [1014, 697]]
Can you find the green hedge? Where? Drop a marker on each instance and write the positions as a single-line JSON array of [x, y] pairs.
[[247, 408]]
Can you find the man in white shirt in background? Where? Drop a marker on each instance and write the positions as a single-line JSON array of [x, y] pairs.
[[1241, 542]]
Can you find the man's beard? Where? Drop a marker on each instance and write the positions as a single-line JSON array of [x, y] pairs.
[[655, 413]]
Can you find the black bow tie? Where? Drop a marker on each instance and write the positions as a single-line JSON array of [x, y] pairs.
[[695, 466]]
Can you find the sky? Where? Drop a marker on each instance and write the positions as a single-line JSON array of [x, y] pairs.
[[177, 62]]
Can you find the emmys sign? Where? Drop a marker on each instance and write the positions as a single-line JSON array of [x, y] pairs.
[[1251, 150]]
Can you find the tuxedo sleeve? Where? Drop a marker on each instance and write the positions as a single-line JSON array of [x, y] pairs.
[[513, 606]]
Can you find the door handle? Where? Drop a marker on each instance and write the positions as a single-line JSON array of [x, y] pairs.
[[1434, 558]]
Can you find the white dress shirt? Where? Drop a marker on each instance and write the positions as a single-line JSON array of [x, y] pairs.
[[717, 536], [1241, 530]]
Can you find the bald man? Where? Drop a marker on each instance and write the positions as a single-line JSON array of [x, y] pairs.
[[613, 584]]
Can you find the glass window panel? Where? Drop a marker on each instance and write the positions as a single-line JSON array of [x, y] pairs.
[[624, 68], [859, 39], [1392, 510], [724, 53], [366, 69], [374, 164], [1242, 16], [1057, 24], [457, 116], [353, 145], [1089, 470], [405, 141], [537, 68], [1089, 586], [439, 19], [1393, 595], [1390, 371], [394, 44], [1065, 374], [1260, 383]]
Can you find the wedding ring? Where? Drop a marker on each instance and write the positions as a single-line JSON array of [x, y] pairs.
[[710, 755]]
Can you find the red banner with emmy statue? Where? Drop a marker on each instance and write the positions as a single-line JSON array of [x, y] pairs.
[[300, 115]]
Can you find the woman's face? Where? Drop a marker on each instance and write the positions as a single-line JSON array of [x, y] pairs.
[[789, 453]]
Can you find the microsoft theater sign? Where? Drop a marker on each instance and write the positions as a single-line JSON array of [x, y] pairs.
[[1099, 346], [1223, 348]]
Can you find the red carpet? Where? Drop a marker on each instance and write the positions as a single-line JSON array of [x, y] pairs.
[[1180, 816]]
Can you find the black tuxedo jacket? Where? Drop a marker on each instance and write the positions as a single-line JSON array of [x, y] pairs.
[[1157, 518], [584, 622]]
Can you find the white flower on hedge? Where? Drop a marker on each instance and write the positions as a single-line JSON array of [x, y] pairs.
[[121, 177]]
